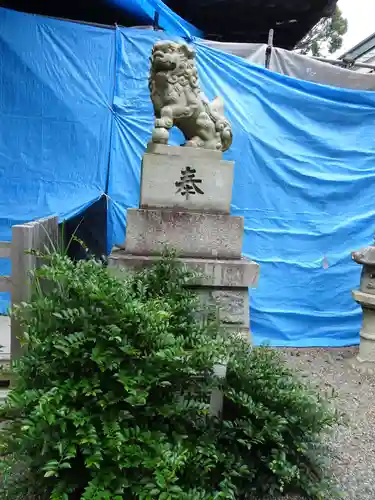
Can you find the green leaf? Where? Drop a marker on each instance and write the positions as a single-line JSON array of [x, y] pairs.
[[65, 465], [50, 473], [111, 397]]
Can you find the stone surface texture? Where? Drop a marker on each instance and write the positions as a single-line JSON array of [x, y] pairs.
[[366, 354], [189, 234], [186, 152], [214, 272], [368, 279], [231, 306], [193, 182], [365, 297], [179, 101], [222, 284]]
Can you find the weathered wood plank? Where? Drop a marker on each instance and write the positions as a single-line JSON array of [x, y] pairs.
[[5, 284], [40, 235], [22, 263], [5, 247]]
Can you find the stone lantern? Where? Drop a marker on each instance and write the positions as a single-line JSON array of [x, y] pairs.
[[365, 297]]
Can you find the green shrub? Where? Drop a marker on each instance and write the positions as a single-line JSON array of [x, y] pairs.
[[274, 424], [111, 399]]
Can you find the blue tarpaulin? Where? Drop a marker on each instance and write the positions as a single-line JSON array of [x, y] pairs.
[[75, 110], [169, 21], [56, 93]]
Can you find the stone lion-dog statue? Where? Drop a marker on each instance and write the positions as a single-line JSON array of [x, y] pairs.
[[178, 100]]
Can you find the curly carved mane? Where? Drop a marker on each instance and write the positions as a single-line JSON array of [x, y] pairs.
[[181, 73]]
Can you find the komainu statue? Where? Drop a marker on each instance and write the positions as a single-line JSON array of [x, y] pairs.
[[178, 100]]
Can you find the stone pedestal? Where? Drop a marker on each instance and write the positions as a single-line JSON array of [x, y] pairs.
[[224, 284], [163, 166], [184, 205], [365, 297], [191, 234]]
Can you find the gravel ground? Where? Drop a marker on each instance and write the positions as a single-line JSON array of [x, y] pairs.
[[353, 444]]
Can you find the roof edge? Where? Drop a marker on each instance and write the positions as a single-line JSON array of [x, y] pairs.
[[360, 49]]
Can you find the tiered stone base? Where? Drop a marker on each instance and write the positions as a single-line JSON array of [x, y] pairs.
[[191, 234], [184, 205], [224, 284]]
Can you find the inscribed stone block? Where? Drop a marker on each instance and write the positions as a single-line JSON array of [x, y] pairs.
[[190, 234], [231, 304], [186, 182]]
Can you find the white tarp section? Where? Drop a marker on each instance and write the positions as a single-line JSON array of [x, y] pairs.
[[301, 67], [253, 52]]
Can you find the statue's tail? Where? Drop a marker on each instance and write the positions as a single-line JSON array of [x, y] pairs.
[[221, 123], [217, 106]]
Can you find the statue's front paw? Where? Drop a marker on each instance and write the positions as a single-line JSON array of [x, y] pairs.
[[164, 122], [160, 136]]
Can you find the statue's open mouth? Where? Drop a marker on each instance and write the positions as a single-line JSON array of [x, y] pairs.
[[161, 62]]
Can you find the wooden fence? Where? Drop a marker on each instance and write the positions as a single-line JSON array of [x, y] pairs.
[[39, 236]]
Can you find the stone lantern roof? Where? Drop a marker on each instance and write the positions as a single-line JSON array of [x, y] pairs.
[[365, 256]]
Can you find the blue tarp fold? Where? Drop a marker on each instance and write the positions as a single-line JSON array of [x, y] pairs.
[[56, 94], [169, 21], [304, 161]]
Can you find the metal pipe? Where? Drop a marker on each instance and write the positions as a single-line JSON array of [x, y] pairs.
[[338, 62], [156, 20], [269, 48]]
